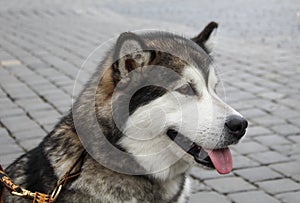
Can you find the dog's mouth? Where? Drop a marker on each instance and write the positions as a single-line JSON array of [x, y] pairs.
[[220, 159]]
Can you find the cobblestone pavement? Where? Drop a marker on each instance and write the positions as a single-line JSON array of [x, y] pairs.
[[44, 43]]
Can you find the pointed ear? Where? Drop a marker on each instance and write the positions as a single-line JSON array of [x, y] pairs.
[[130, 53], [204, 39]]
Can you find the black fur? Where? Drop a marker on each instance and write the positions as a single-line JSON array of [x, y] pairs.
[[144, 96], [202, 38], [38, 169]]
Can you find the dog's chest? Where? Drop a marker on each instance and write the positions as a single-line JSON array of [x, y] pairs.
[[97, 184]]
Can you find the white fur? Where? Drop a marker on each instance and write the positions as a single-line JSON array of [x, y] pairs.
[[186, 191], [147, 140], [174, 185]]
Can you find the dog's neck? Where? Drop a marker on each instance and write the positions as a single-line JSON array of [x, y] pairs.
[[166, 184], [169, 190]]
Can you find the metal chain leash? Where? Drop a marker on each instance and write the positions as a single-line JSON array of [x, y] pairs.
[[37, 197]]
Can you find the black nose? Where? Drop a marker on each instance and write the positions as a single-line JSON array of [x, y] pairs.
[[236, 125]]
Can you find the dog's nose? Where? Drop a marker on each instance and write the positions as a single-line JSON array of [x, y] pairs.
[[236, 125]]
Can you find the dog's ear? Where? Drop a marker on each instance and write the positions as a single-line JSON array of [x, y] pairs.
[[204, 39], [130, 53]]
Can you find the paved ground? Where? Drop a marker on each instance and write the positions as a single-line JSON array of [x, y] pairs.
[[43, 44]]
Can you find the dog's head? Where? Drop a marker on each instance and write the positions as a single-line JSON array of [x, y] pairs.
[[166, 106]]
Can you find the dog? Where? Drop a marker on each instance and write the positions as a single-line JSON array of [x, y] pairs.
[[147, 115]]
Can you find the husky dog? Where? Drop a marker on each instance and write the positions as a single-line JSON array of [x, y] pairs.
[[148, 114]]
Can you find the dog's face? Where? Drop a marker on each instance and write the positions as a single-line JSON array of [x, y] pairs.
[[175, 118]]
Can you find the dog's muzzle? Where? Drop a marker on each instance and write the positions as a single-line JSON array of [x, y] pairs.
[[199, 154], [219, 158]]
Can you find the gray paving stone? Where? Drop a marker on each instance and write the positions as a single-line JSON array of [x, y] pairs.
[[240, 105], [19, 123], [31, 60], [21, 92], [256, 89], [296, 177], [2, 94], [266, 105], [286, 129], [249, 147], [212, 197], [40, 66], [294, 120], [4, 56], [6, 103], [295, 138], [229, 185], [290, 197], [34, 80], [285, 112], [48, 72], [45, 89], [70, 88], [258, 174], [295, 149], [5, 137], [203, 174], [271, 140], [6, 77], [198, 186], [253, 113], [58, 95], [270, 84], [20, 70], [252, 196], [33, 104], [9, 148], [240, 96], [279, 186], [269, 157], [270, 120], [257, 131], [6, 159], [8, 112], [271, 95], [31, 143], [45, 117], [243, 162], [63, 81], [295, 155], [29, 134], [289, 169], [290, 102], [48, 127], [284, 149]]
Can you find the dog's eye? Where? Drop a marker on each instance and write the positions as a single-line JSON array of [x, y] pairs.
[[186, 89]]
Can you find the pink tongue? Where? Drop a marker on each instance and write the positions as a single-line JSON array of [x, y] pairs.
[[221, 159]]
